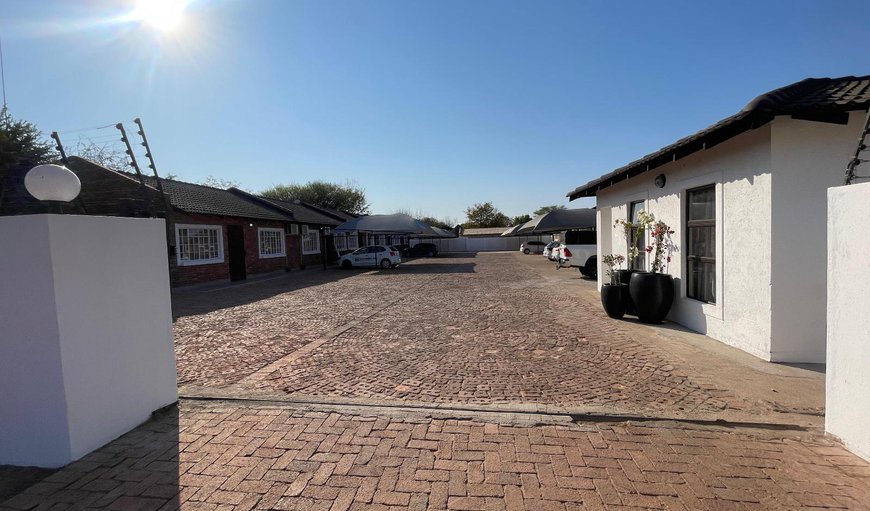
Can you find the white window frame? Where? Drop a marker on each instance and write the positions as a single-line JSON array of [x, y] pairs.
[[280, 233], [352, 240], [196, 262], [717, 178], [340, 242], [314, 238]]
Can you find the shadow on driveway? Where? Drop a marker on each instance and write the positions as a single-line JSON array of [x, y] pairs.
[[204, 299]]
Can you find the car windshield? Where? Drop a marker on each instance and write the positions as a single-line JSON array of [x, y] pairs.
[[359, 251]]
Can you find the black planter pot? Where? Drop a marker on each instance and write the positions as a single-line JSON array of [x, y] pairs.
[[613, 299], [652, 294], [624, 277]]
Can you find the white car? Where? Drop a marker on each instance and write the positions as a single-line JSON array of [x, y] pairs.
[[550, 250], [529, 247], [384, 256], [579, 251]]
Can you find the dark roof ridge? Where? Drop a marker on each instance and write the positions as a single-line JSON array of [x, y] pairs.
[[121, 173], [248, 195], [826, 99], [768, 101], [323, 210]]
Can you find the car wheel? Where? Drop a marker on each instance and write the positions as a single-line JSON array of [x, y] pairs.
[[346, 264], [386, 264], [526, 251], [591, 268], [430, 254]]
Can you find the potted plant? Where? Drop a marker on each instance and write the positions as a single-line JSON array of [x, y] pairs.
[[614, 293], [653, 292], [624, 276]]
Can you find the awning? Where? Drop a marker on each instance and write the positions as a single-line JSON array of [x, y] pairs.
[[393, 224], [559, 220]]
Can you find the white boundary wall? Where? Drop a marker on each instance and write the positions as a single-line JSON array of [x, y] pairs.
[[482, 243], [847, 390], [86, 349]]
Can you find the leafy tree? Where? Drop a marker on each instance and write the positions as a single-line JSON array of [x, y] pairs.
[[485, 215], [21, 148], [521, 219], [348, 197], [546, 209], [444, 223]]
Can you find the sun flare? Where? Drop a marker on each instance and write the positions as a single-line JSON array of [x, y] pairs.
[[164, 15]]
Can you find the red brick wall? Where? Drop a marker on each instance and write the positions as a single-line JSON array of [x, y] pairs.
[[195, 274]]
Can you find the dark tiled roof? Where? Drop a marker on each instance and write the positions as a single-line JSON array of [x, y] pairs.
[[302, 212], [206, 200], [813, 98]]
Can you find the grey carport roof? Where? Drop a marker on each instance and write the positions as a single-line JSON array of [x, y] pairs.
[[393, 224], [559, 220]]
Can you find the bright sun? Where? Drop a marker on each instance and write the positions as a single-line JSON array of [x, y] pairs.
[[163, 15]]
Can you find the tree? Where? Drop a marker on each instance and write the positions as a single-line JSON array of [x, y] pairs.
[[348, 197], [485, 215], [112, 157], [521, 219], [107, 155], [443, 223], [21, 148], [219, 182], [546, 209]]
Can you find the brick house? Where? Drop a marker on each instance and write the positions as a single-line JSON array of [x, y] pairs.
[[307, 222], [212, 234]]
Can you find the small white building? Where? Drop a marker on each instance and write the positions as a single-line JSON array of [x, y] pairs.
[[746, 199]]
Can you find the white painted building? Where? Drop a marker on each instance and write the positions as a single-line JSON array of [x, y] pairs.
[[755, 277]]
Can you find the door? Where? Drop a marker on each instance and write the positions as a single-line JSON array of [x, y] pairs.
[[236, 252]]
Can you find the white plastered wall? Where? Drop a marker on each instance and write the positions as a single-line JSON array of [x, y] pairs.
[[847, 389], [807, 158], [86, 349], [740, 169]]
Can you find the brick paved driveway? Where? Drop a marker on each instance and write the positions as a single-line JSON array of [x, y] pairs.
[[229, 457], [407, 385], [479, 330]]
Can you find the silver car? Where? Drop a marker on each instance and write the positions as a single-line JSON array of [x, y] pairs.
[[373, 255]]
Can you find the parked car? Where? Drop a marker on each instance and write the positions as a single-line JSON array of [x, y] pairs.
[[579, 251], [550, 248], [422, 249], [373, 255], [533, 246]]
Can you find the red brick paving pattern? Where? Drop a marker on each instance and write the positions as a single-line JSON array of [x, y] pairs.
[[223, 457], [223, 336], [478, 330]]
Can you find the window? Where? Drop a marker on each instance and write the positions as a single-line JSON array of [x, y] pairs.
[[340, 241], [638, 235], [199, 244], [310, 241], [271, 242], [580, 238], [701, 244], [352, 241]]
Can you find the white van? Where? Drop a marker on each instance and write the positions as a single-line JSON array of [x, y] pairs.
[[579, 251]]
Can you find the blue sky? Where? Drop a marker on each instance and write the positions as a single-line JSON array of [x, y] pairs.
[[429, 106]]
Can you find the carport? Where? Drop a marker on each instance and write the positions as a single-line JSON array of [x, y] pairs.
[[557, 220], [396, 225]]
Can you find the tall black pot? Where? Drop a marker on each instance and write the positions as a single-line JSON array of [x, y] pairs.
[[652, 294], [624, 277], [613, 299]]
